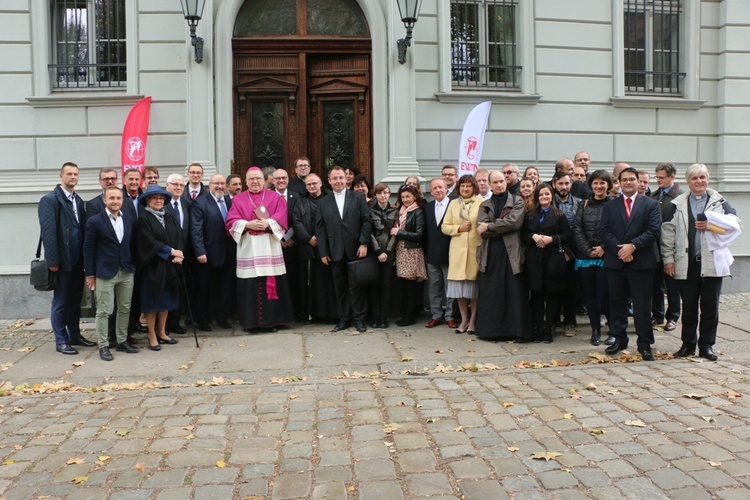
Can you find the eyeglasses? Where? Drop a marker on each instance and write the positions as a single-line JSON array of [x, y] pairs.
[[109, 179], [177, 185]]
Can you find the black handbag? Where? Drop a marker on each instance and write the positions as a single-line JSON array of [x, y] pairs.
[[362, 272], [557, 265], [40, 276]]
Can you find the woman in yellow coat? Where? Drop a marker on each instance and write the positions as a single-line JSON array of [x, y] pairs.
[[460, 222]]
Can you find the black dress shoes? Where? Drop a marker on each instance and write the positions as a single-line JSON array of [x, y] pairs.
[[646, 354], [203, 326], [105, 354], [616, 347], [82, 342], [341, 325], [166, 341], [224, 324], [176, 329], [685, 351], [65, 349], [360, 326], [610, 340], [125, 347], [708, 353]]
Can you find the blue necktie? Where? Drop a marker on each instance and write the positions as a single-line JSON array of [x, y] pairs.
[[177, 213], [223, 209]]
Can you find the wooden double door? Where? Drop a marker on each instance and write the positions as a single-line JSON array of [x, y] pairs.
[[302, 102]]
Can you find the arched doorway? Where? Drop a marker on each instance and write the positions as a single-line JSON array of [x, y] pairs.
[[301, 85]]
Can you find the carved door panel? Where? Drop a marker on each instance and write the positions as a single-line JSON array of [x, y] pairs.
[[291, 105]]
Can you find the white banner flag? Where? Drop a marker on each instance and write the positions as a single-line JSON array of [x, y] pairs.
[[472, 139]]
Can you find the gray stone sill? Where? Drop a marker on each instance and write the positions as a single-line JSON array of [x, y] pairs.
[[75, 99], [467, 96], [656, 102]]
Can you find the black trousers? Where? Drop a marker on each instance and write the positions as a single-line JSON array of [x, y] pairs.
[[665, 284], [544, 308], [352, 301], [568, 300], [595, 293], [699, 294], [213, 292], [380, 292], [624, 283]]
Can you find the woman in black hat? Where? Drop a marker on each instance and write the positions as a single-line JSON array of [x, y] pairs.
[[158, 253]]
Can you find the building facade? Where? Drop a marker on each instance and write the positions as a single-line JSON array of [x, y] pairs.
[[639, 81]]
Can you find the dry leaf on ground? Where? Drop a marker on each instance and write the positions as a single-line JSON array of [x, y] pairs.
[[545, 455], [635, 423]]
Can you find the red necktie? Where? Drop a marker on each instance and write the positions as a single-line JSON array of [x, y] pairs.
[[628, 206], [195, 193]]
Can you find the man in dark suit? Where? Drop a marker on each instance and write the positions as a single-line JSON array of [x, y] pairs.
[[436, 256], [107, 177], [110, 269], [216, 254], [630, 230], [343, 228], [131, 192], [180, 210], [288, 246], [668, 190], [62, 222]]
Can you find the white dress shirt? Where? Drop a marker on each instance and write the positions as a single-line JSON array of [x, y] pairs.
[[116, 220], [440, 208], [340, 198]]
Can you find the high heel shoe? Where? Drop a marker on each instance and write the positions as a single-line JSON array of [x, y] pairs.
[[459, 330], [166, 341], [156, 347]]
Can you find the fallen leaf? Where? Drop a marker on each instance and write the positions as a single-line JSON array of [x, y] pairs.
[[714, 464], [568, 416], [545, 455], [733, 394], [26, 349], [293, 396], [122, 432], [221, 464], [694, 396], [590, 387], [635, 423], [103, 458], [18, 409], [189, 427], [9, 462], [74, 461], [241, 345], [79, 363], [407, 358], [439, 351], [80, 479], [508, 405], [597, 431], [513, 448], [389, 428], [614, 391], [458, 429], [182, 367], [351, 488], [709, 419], [140, 467]]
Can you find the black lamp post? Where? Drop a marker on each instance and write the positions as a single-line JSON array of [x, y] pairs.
[[409, 10], [193, 12]]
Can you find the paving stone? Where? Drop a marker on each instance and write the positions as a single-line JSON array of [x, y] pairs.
[[450, 452], [174, 494], [213, 492], [646, 461], [520, 483], [428, 484], [215, 475], [380, 490], [713, 478], [258, 470], [333, 473], [370, 449], [590, 477], [133, 495], [166, 479], [640, 488], [472, 468], [482, 490], [374, 469], [670, 478], [617, 468], [291, 486], [410, 441], [416, 461]]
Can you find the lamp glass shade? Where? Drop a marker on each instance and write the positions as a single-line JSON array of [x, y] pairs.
[[409, 10], [193, 9]]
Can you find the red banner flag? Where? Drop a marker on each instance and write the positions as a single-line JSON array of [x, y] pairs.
[[134, 137]]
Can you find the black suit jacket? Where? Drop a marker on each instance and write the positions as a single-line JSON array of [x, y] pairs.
[[128, 206], [436, 243], [94, 206], [188, 198], [103, 255], [185, 222], [207, 230], [642, 229], [339, 238]]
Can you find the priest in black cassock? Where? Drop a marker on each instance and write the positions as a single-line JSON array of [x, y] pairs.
[[503, 304]]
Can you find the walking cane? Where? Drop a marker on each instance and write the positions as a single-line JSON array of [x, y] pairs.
[[190, 309]]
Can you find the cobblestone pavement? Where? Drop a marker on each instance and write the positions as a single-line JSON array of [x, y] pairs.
[[668, 429]]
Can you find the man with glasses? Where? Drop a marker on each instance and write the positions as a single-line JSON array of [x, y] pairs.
[[302, 170], [450, 176], [195, 187], [180, 210], [151, 176], [665, 174], [630, 227], [216, 254], [510, 171]]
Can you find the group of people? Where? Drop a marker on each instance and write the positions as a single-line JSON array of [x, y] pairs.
[[502, 255]]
